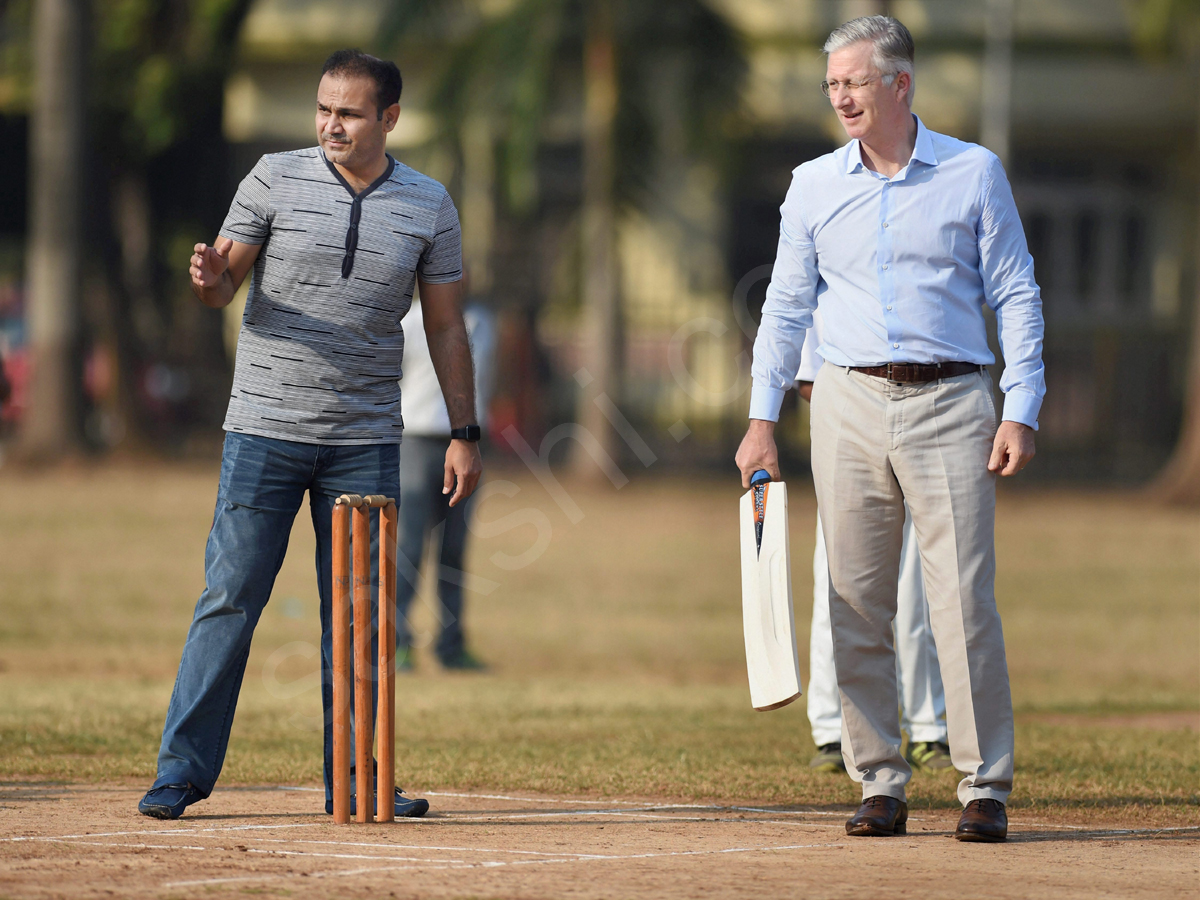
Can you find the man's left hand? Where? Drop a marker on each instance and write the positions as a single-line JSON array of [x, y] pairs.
[[1013, 448], [464, 464]]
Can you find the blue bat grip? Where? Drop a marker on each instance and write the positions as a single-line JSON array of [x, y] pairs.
[[759, 477]]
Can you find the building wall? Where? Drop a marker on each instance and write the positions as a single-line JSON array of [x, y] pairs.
[[1102, 162]]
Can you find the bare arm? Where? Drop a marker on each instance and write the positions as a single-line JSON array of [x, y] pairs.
[[218, 271], [446, 333]]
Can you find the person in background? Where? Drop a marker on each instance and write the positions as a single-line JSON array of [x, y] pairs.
[[425, 511], [5, 384]]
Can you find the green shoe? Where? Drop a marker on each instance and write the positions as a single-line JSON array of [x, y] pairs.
[[404, 659], [464, 661], [930, 755], [828, 759]]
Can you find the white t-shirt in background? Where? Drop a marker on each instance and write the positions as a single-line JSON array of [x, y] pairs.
[[422, 403]]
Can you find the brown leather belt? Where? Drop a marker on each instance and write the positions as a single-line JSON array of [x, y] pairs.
[[918, 373]]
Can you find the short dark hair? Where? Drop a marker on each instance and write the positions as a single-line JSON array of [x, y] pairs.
[[356, 64]]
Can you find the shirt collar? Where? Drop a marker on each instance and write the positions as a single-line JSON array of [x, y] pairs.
[[923, 151]]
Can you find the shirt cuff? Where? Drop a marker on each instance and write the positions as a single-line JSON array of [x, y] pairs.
[[765, 403], [1021, 406]]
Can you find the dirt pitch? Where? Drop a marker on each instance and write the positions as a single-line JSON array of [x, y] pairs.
[[89, 841]]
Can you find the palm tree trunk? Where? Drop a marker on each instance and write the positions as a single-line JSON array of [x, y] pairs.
[[601, 310], [478, 203], [51, 424], [137, 328], [995, 127], [1179, 481]]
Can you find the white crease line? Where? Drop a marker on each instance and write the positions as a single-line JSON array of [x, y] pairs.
[[449, 818], [1115, 832], [100, 834], [793, 812], [640, 804], [581, 813], [524, 799], [135, 846], [257, 827], [423, 847], [637, 816], [501, 863], [93, 839], [310, 853], [658, 807], [189, 830]]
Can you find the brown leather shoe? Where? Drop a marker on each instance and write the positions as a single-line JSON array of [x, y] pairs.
[[984, 821], [879, 816]]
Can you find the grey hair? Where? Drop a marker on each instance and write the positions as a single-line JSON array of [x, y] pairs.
[[892, 43]]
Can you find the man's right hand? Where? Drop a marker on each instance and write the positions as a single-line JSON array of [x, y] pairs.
[[209, 264], [218, 271], [758, 451]]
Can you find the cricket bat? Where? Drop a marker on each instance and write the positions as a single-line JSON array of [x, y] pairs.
[[770, 629]]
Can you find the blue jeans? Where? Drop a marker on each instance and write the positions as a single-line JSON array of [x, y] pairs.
[[262, 484]]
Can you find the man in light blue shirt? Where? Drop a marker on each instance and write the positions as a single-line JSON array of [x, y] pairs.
[[901, 237]]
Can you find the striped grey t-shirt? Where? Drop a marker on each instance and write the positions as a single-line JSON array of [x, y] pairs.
[[321, 344]]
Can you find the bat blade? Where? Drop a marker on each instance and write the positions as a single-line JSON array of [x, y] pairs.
[[772, 663]]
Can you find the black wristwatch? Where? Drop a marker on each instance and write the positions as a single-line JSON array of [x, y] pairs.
[[466, 433]]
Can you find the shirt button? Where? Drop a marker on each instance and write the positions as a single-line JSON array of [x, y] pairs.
[[896, 346], [885, 224], [889, 307], [885, 265]]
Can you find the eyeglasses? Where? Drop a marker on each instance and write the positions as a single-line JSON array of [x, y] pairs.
[[852, 87]]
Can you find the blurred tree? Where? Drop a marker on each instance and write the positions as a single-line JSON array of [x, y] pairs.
[[1174, 26], [51, 425], [515, 67], [157, 100], [152, 73]]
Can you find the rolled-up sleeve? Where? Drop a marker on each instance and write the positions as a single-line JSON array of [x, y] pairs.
[[1010, 289], [787, 313]]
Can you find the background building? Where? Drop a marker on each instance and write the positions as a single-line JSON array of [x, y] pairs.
[[1099, 136]]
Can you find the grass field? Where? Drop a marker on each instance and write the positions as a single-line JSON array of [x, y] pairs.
[[616, 654]]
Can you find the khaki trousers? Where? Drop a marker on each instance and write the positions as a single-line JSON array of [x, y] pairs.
[[875, 445]]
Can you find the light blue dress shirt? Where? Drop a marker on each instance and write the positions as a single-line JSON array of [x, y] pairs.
[[901, 268]]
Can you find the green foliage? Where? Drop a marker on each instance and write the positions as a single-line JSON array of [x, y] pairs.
[[15, 61], [680, 70], [1167, 25], [160, 68]]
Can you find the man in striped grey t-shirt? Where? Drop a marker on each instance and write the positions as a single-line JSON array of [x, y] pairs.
[[336, 237]]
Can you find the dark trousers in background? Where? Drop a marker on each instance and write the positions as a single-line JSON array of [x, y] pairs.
[[424, 513]]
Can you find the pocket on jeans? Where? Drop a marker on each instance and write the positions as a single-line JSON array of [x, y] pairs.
[[262, 473]]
